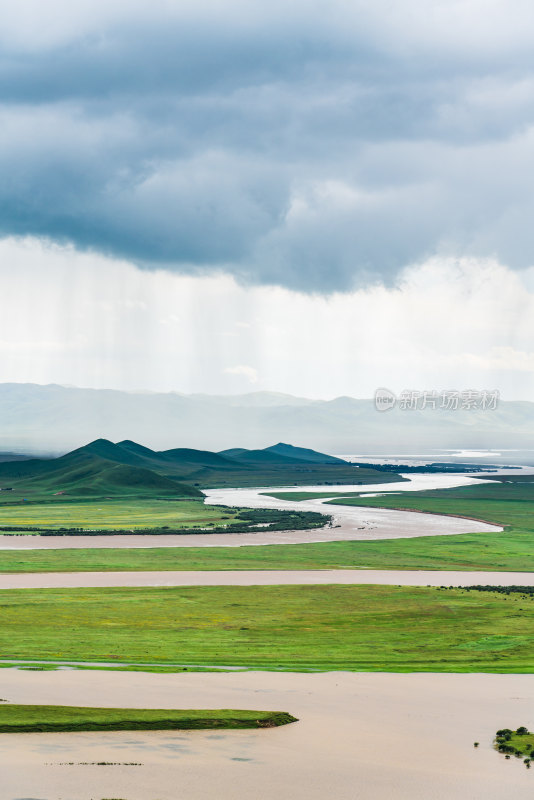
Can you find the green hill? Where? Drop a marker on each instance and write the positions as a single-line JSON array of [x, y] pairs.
[[104, 479], [121, 479], [266, 456], [303, 454], [136, 449], [100, 468], [187, 458], [232, 452], [102, 448], [104, 468]]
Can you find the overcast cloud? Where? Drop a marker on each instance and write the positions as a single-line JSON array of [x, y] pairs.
[[82, 319], [317, 146]]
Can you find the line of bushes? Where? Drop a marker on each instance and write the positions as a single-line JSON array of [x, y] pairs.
[[249, 522], [516, 743], [527, 591]]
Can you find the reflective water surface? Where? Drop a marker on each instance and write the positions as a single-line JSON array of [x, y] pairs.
[[360, 736]]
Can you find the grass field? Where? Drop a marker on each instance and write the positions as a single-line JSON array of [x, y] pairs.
[[508, 504], [369, 628], [109, 514], [143, 515], [511, 551], [505, 504], [32, 719]]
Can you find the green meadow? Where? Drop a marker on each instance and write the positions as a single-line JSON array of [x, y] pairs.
[[368, 628], [129, 513], [511, 551], [37, 719], [142, 515]]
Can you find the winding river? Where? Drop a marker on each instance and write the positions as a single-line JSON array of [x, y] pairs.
[[349, 523]]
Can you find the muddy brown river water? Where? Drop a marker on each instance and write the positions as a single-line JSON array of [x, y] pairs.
[[360, 737], [65, 580]]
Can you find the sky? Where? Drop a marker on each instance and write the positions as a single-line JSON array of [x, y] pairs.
[[314, 198]]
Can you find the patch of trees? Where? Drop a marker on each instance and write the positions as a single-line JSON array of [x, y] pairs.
[[253, 520], [512, 743], [441, 467], [526, 591]]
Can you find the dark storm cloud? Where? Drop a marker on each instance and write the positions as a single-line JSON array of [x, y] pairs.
[[314, 151]]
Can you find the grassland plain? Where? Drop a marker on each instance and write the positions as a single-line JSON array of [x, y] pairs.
[[147, 516], [509, 505], [36, 718], [512, 551], [367, 628], [104, 514]]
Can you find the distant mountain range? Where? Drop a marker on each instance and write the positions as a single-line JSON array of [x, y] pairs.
[[54, 419], [105, 469]]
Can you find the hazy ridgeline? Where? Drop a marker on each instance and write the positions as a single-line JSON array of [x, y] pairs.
[[54, 419]]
